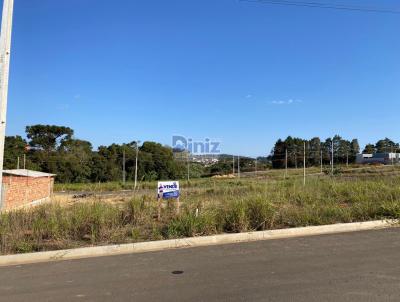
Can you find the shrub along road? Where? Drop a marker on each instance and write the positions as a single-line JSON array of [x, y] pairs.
[[359, 266]]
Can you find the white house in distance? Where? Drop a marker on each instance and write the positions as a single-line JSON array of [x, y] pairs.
[[378, 158]]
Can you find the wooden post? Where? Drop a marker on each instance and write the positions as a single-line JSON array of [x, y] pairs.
[[321, 163]]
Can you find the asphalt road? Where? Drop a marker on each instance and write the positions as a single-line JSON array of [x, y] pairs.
[[362, 266]]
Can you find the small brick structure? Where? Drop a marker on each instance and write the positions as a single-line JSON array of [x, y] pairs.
[[25, 187]]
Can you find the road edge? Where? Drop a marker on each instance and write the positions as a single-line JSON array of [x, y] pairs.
[[151, 246]]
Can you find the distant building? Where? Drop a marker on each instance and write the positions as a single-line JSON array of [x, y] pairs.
[[25, 187], [204, 159], [378, 158]]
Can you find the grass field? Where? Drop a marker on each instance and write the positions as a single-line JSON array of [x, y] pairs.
[[357, 171], [209, 206]]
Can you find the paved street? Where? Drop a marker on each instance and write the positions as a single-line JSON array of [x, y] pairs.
[[363, 266]]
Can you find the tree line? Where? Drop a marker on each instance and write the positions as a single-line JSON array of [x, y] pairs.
[[292, 151], [54, 149], [382, 146]]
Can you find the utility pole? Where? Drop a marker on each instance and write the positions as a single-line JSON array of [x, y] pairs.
[[347, 159], [123, 166], [233, 165], [136, 163], [188, 166], [255, 166], [5, 52], [238, 167], [304, 165], [18, 163], [321, 163], [24, 161]]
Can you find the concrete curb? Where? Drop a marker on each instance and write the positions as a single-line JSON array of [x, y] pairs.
[[151, 246]]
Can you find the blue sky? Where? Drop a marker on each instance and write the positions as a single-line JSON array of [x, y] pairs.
[[242, 73]]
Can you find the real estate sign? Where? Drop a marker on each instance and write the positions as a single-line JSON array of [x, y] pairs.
[[168, 189]]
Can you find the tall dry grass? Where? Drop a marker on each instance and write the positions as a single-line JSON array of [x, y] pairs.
[[208, 207]]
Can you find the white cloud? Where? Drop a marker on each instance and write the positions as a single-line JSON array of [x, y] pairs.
[[249, 96], [286, 102]]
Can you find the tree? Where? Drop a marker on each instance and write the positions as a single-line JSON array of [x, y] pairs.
[[291, 146], [47, 137], [53, 149], [74, 161], [386, 146], [354, 150], [327, 150], [99, 168], [160, 161], [314, 151], [278, 154], [108, 162], [14, 147], [354, 147], [369, 149], [220, 168], [343, 151], [338, 149]]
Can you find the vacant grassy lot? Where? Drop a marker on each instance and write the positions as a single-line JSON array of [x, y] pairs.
[[354, 170], [209, 206]]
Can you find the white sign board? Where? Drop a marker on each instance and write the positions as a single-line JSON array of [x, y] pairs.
[[168, 189]]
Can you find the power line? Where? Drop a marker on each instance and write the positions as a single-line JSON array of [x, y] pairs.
[[325, 5]]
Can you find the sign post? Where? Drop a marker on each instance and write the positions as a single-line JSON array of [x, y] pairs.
[[168, 190]]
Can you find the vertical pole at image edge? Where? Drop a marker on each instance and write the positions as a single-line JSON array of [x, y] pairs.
[[5, 52]]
